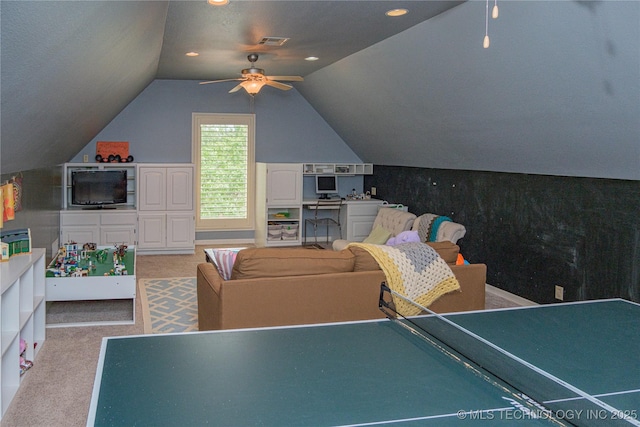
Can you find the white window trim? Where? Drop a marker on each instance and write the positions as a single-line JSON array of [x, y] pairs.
[[247, 223]]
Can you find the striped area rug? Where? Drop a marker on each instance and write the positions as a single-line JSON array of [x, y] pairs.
[[169, 305]]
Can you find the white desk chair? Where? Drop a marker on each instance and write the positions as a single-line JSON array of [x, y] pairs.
[[332, 209]]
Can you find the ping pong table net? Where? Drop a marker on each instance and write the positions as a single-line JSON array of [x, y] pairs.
[[535, 392]]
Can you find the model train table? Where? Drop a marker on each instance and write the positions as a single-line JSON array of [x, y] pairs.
[[93, 276]]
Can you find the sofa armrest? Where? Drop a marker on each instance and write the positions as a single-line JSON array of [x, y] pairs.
[[209, 287], [471, 296]]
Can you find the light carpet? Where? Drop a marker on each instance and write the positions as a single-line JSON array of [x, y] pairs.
[[169, 305]]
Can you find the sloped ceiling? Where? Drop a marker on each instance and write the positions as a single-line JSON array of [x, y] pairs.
[[68, 68], [556, 93]]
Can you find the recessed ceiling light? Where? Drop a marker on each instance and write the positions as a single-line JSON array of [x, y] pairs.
[[311, 58], [218, 2], [192, 54], [396, 12]]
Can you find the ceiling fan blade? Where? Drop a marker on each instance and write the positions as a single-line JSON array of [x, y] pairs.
[[278, 85], [237, 88], [218, 81], [286, 78]]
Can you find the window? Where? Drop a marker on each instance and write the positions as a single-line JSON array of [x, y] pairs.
[[223, 152]]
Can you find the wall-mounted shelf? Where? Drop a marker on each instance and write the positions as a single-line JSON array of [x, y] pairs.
[[338, 168]]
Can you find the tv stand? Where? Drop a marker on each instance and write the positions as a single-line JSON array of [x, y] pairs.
[[324, 196]]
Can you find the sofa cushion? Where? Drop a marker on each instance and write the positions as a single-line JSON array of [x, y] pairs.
[[279, 262], [378, 236], [365, 262], [447, 250]]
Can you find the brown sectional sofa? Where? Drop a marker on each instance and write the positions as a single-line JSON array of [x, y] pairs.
[[289, 286]]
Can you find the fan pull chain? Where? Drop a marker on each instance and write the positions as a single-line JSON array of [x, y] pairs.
[[494, 14]]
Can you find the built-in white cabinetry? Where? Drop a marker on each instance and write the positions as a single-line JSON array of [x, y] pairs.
[[158, 217], [357, 218], [101, 227], [278, 204], [166, 215], [22, 316]]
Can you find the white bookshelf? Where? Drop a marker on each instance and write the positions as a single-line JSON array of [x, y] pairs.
[[338, 168], [22, 315]]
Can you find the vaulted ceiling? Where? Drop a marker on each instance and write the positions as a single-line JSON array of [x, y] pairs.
[[556, 93]]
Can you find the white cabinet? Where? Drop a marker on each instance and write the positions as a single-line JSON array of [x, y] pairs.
[[358, 217], [278, 204], [166, 215], [100, 227], [22, 316], [165, 188], [284, 185]]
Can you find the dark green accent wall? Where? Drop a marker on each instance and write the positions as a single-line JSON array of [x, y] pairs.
[[41, 204], [533, 231]]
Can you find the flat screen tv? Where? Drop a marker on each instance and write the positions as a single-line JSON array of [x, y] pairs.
[[98, 187]]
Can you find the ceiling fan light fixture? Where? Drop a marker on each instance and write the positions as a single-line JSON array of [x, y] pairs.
[[252, 86], [218, 2]]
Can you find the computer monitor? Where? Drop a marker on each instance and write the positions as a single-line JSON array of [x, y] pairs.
[[325, 185]]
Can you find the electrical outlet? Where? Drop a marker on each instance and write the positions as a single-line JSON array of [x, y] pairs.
[[85, 158], [374, 191], [559, 292]]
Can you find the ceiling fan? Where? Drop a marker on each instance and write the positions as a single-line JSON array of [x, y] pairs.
[[253, 79]]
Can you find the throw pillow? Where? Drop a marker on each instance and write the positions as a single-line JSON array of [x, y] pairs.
[[224, 259], [378, 236]]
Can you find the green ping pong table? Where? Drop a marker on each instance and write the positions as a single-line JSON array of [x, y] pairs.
[[382, 372]]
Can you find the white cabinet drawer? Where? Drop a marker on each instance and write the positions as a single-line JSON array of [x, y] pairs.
[[129, 218], [78, 218], [369, 209]]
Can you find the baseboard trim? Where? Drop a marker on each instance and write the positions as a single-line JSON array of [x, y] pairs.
[[508, 296]]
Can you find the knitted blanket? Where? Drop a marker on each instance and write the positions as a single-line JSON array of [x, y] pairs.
[[428, 230], [414, 270]]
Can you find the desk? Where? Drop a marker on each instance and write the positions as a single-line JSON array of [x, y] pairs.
[[357, 219], [372, 373]]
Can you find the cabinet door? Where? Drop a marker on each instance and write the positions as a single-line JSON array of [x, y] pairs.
[[80, 235], [151, 230], [152, 190], [180, 230], [179, 189], [115, 235], [359, 219], [284, 184]]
